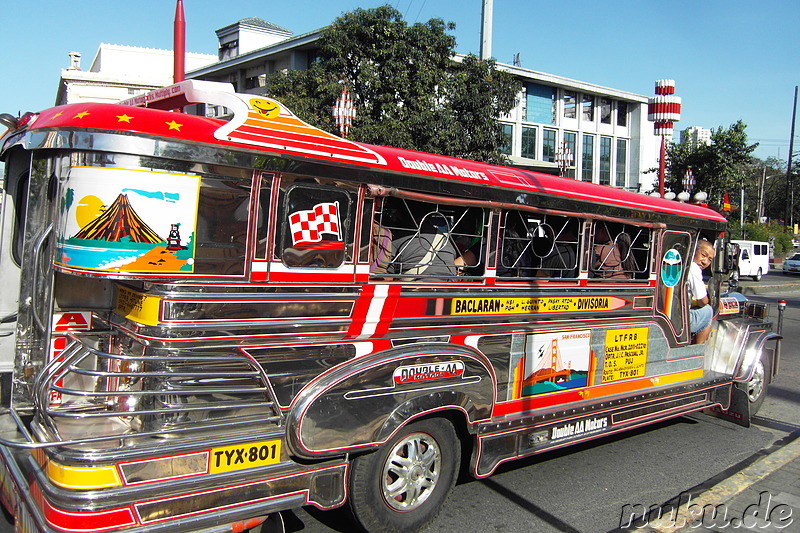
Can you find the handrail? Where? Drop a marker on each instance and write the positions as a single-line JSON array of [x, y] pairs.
[[37, 250]]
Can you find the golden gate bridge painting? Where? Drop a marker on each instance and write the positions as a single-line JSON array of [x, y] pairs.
[[139, 231], [553, 362]]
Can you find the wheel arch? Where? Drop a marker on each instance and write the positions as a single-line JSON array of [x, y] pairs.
[[754, 348], [359, 405]]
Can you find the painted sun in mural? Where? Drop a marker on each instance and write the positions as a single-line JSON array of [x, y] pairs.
[[89, 207]]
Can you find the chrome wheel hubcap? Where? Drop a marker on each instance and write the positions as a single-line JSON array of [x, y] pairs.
[[411, 471]]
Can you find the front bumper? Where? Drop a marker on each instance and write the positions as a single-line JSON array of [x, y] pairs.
[[207, 502]]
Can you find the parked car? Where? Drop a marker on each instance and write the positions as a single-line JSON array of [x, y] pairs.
[[791, 265]]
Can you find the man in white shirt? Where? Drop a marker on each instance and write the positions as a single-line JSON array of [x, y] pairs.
[[700, 312]]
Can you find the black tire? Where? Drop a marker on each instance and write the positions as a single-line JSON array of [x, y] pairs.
[[402, 487], [757, 277], [273, 524], [756, 388], [735, 275]]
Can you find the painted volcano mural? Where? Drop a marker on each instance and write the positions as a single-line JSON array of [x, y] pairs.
[[149, 227], [119, 222]]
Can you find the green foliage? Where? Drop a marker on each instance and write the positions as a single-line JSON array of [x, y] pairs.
[[717, 167], [771, 232], [783, 243], [408, 90]]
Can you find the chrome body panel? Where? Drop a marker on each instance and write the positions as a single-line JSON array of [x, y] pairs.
[[362, 403], [736, 346]]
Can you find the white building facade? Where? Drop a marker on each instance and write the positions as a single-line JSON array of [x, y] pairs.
[[119, 72], [696, 136]]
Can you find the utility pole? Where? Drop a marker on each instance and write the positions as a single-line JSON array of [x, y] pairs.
[[486, 30], [789, 190]]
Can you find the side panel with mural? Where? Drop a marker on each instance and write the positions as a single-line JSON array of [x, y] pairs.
[[554, 362], [121, 220]]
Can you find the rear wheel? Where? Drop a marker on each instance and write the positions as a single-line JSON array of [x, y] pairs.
[[402, 486], [757, 277]]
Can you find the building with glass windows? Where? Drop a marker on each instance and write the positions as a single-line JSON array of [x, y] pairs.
[[696, 136], [581, 130], [560, 126]]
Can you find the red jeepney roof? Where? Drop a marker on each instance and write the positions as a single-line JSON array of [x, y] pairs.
[[259, 124]]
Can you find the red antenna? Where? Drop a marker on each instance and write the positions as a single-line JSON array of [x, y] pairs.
[[179, 48]]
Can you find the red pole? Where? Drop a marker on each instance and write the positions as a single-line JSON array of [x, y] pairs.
[[179, 48], [662, 167]]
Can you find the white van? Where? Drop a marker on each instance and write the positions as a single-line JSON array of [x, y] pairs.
[[753, 259]]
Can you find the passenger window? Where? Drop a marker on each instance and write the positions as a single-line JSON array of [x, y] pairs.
[[222, 217], [262, 216], [619, 251], [315, 225], [539, 245], [427, 240]]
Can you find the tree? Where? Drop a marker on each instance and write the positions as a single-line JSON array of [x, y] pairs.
[[408, 89], [771, 178], [718, 167]]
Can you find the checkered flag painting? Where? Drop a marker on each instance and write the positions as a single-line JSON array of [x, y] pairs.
[[308, 226]]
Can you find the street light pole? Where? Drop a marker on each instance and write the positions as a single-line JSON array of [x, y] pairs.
[[761, 195], [741, 207]]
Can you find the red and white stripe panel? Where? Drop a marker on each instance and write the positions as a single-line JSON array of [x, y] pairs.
[[663, 128], [665, 86], [664, 108]]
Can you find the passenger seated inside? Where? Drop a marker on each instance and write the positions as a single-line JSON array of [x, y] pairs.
[[561, 262], [381, 250], [465, 261], [612, 258], [430, 251], [700, 312], [515, 254]]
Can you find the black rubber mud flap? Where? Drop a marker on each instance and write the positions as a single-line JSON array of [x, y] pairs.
[[739, 410]]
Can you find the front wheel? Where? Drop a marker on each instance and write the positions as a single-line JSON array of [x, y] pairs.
[[402, 486], [757, 277], [756, 388]]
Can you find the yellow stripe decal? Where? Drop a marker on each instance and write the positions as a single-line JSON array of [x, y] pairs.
[[83, 477]]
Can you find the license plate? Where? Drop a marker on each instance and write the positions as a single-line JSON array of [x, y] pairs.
[[241, 456]]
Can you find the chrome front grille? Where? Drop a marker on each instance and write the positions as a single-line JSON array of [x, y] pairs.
[[140, 391]]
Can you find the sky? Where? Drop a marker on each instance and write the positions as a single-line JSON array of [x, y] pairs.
[[731, 59]]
